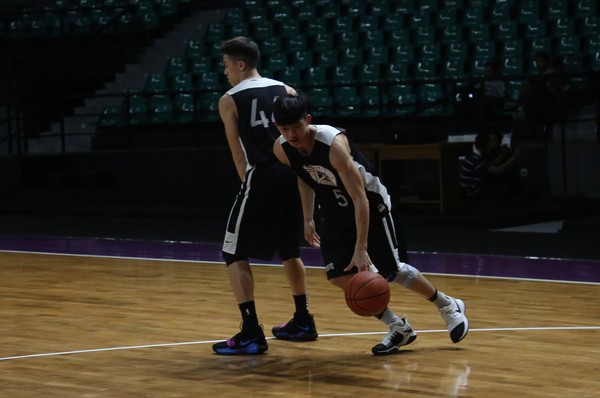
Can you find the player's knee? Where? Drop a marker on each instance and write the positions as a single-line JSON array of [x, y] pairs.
[[406, 275], [232, 258]]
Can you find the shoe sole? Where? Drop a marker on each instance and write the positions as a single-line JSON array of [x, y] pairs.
[[395, 348], [461, 333], [252, 349], [288, 337]]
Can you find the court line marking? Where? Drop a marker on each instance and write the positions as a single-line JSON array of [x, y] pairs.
[[135, 347], [175, 260]]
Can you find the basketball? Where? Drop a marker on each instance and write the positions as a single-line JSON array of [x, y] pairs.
[[367, 293]]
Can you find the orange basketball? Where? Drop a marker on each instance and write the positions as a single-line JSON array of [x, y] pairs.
[[367, 293]]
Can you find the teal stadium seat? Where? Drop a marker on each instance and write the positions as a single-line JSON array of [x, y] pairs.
[[155, 83], [239, 30], [541, 44], [420, 19], [593, 43], [378, 55], [215, 33], [446, 17], [317, 75], [316, 26], [346, 101], [484, 50], [529, 11], [591, 25], [296, 43], [500, 13], [183, 108], [208, 106], [302, 59], [200, 65], [569, 45], [595, 64], [369, 73], [137, 110], [289, 28], [355, 8], [257, 14], [425, 70], [430, 5], [343, 74], [373, 38], [276, 62], [424, 35], [328, 58], [473, 16], [430, 52], [479, 33], [271, 45], [393, 22], [110, 116], [536, 29], [507, 31], [401, 100], [234, 16], [368, 23], [457, 50], [454, 69], [210, 80], [563, 27], [431, 93], [557, 9], [305, 11], [397, 71], [322, 42], [586, 8], [405, 6], [183, 82], [379, 8], [399, 38], [352, 56], [330, 10], [513, 66], [343, 23], [321, 101], [195, 48], [513, 48], [281, 14], [452, 34], [175, 66], [262, 30], [403, 53], [291, 75], [370, 101], [348, 39], [161, 109]]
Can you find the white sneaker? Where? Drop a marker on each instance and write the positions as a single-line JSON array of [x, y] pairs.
[[401, 333], [454, 316]]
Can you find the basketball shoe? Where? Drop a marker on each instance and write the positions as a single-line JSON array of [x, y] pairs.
[[401, 333], [454, 316], [295, 331], [242, 344]]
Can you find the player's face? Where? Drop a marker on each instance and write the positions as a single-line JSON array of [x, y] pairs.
[[231, 70], [297, 134]]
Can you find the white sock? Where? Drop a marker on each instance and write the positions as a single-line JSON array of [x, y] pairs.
[[441, 300], [389, 317]]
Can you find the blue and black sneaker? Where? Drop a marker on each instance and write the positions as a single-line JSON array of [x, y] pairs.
[[241, 344], [296, 331]]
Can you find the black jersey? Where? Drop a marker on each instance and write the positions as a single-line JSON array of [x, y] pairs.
[[335, 205], [254, 101]]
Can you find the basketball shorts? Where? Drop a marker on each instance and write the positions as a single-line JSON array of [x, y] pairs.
[[266, 217], [337, 245]]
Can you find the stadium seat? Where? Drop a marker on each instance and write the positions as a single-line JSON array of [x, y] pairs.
[[379, 8], [111, 115], [429, 52], [507, 31], [373, 38], [446, 17], [399, 38], [484, 50], [316, 26], [513, 48], [479, 33], [368, 23], [425, 70], [296, 43], [513, 66], [371, 103], [330, 10], [328, 58], [457, 50], [572, 63], [454, 69], [161, 109], [256, 15], [541, 44], [322, 42], [593, 43], [405, 6], [155, 83], [281, 14], [557, 9], [195, 48], [239, 30], [291, 75], [478, 67], [393, 22], [452, 34], [424, 35], [208, 106], [431, 93], [401, 100], [356, 8], [370, 73], [271, 45], [289, 28], [528, 11], [500, 13], [200, 65], [182, 82], [175, 65], [276, 62], [420, 19], [346, 101], [137, 109], [563, 27], [403, 54], [305, 12], [591, 25], [378, 55], [215, 33], [317, 75], [514, 89], [348, 40], [536, 29], [183, 108], [343, 23], [569, 45], [234, 16], [586, 8], [210, 80], [321, 101], [262, 30], [343, 74], [473, 17], [352, 56], [595, 63], [302, 59], [397, 71]]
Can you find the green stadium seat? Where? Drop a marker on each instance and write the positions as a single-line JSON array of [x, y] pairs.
[[378, 55], [500, 13], [399, 38], [276, 62], [184, 109], [370, 100], [541, 44], [161, 109], [316, 26], [454, 69], [167, 7], [379, 8], [513, 66], [393, 22], [484, 50], [175, 65], [513, 48], [110, 116], [431, 93], [239, 30], [557, 9], [271, 45], [215, 33], [425, 70], [321, 101], [356, 8], [317, 75], [563, 27], [572, 63], [330, 10], [474, 16], [591, 25], [155, 83], [373, 38], [452, 34], [569, 45], [430, 5], [478, 67], [346, 101], [343, 74], [403, 53], [200, 64], [296, 43], [262, 30], [210, 80], [370, 73], [528, 11], [257, 15], [595, 63], [430, 52], [343, 23], [420, 19], [302, 59], [586, 8], [77, 23], [281, 14], [137, 110], [305, 12], [291, 75], [446, 17], [208, 106], [368, 23], [457, 50], [593, 43], [352, 56], [479, 33], [290, 27], [249, 4], [397, 71], [536, 29], [514, 89], [322, 42], [328, 58], [182, 82], [507, 31], [234, 16], [424, 35], [402, 104], [404, 6], [194, 49]]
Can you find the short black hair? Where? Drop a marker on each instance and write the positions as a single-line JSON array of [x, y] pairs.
[[289, 108], [242, 49]]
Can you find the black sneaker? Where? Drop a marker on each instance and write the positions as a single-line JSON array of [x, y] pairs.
[[295, 331], [241, 344]]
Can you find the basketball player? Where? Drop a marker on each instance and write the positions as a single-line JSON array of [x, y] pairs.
[[356, 229], [266, 215]]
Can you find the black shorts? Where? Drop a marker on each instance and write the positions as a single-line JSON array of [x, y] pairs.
[[337, 245], [266, 217]]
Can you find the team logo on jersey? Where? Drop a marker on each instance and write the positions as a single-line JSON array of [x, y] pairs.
[[321, 175]]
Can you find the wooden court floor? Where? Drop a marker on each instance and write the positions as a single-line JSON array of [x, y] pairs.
[[108, 327]]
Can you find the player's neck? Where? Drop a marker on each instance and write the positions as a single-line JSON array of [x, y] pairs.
[[309, 144]]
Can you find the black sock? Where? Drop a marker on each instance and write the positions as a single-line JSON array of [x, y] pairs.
[[249, 317], [434, 297], [301, 302]]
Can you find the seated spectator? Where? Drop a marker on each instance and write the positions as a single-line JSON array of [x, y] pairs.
[[488, 173], [493, 86]]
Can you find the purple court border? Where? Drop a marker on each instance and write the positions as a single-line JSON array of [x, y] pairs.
[[442, 263]]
